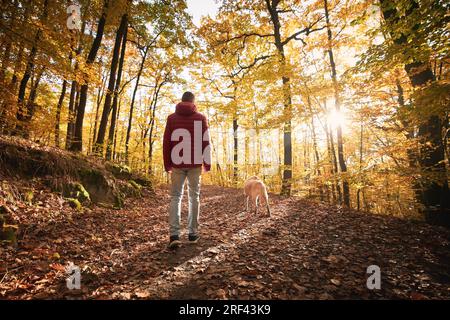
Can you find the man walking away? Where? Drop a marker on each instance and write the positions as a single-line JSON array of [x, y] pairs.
[[185, 149]]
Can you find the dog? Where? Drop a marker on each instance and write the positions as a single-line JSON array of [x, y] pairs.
[[255, 189]]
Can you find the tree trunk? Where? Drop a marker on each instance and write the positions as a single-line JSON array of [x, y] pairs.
[[74, 91], [22, 116], [152, 126], [361, 138], [433, 182], [116, 132], [6, 59], [287, 103], [112, 127], [71, 114], [333, 159], [319, 186], [58, 112], [18, 64], [130, 118], [77, 143], [235, 150], [31, 103], [340, 143], [99, 144]]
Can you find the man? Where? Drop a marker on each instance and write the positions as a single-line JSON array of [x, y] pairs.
[[185, 149]]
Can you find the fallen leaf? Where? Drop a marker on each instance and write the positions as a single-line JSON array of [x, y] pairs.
[[142, 294], [336, 282], [57, 267]]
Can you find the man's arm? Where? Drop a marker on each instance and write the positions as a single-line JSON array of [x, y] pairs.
[[206, 145], [166, 147]]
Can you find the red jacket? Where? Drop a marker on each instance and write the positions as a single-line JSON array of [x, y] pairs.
[[186, 117]]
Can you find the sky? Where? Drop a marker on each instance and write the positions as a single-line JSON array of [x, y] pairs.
[[199, 8]]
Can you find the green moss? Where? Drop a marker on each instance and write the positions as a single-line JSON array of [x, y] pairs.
[[120, 171], [118, 202], [75, 204], [81, 194], [76, 191], [119, 168], [143, 181], [135, 185], [125, 168]]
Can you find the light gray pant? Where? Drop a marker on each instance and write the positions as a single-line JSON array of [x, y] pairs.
[[179, 176]]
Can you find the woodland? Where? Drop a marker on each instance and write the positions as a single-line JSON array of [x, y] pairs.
[[341, 107]]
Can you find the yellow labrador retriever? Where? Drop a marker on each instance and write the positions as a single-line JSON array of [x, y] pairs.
[[255, 189]]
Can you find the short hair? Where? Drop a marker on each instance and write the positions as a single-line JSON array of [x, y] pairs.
[[188, 97]]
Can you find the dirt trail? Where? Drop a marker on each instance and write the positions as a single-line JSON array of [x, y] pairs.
[[304, 251]]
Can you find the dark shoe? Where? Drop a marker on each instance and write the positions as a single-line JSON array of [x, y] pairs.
[[193, 238], [174, 242]]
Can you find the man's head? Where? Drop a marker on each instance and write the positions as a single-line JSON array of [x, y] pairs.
[[188, 97]]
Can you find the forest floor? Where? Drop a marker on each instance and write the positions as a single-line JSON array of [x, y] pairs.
[[305, 250]]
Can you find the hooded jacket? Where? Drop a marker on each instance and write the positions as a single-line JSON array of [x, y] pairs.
[[186, 117]]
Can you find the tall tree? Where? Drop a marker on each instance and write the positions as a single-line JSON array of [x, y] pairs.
[[144, 53], [58, 111], [337, 103], [277, 37], [77, 143], [98, 148], [74, 89], [412, 25], [112, 127], [23, 113]]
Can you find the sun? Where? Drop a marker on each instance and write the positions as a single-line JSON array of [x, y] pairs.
[[336, 118]]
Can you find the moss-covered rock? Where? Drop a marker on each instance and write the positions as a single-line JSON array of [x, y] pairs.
[[77, 191], [120, 201], [97, 180], [75, 204], [128, 190], [120, 171], [101, 187], [123, 172], [135, 185], [143, 181], [82, 194]]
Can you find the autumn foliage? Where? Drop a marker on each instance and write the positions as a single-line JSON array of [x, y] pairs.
[[340, 101]]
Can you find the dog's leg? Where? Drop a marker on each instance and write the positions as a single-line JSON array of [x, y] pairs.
[[256, 204], [266, 198], [246, 207], [267, 205]]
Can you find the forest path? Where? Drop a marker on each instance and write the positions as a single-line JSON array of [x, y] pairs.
[[305, 250]]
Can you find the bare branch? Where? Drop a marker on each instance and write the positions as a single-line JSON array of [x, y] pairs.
[[309, 29], [255, 61], [213, 82], [285, 11], [245, 36]]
